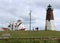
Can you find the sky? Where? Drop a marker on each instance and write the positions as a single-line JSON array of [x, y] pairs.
[[12, 10]]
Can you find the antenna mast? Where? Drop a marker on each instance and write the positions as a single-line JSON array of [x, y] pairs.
[[30, 20]]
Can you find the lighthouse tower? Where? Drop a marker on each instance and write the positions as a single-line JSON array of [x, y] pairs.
[[49, 19]]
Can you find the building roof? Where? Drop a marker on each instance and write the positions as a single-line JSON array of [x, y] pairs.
[[49, 5]]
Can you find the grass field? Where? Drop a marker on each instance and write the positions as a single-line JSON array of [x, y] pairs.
[[30, 34], [27, 41]]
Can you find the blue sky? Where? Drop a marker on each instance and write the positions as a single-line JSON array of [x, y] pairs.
[[12, 10]]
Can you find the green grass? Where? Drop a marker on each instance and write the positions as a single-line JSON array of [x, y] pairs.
[[30, 34], [26, 41]]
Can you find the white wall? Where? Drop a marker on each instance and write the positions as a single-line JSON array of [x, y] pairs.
[[50, 25]]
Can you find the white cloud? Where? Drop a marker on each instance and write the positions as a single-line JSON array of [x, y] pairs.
[[12, 10]]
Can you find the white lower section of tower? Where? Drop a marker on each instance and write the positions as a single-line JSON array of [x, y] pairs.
[[50, 25]]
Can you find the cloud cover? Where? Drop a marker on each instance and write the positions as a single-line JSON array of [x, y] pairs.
[[12, 10]]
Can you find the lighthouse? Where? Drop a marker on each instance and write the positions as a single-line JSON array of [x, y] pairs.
[[49, 19]]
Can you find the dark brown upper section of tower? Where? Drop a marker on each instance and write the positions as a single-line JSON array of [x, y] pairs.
[[49, 14]]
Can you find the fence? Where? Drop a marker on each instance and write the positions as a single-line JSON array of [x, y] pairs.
[[29, 40]]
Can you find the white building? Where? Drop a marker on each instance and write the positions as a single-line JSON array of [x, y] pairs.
[[17, 26]]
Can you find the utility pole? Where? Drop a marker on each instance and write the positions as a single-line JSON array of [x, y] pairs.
[[30, 20]]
